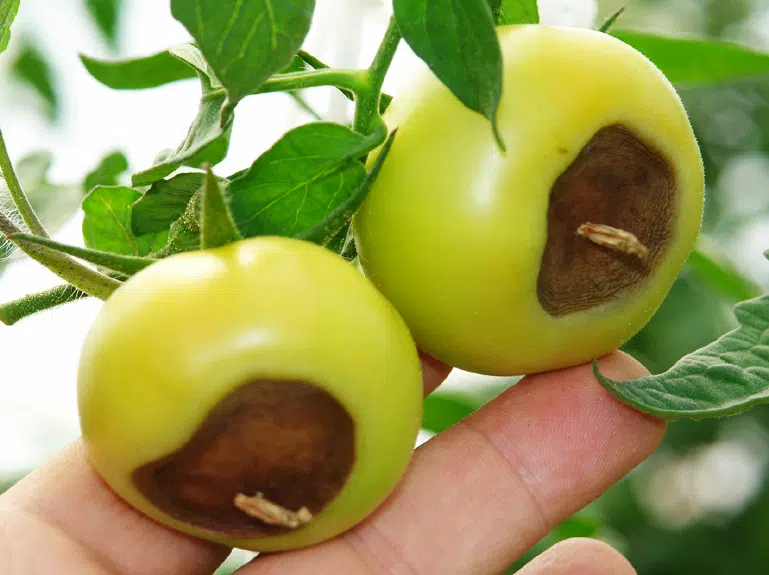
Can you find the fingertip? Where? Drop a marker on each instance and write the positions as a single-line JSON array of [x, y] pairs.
[[579, 556]]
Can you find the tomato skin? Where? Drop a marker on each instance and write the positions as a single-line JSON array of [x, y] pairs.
[[453, 231], [182, 334]]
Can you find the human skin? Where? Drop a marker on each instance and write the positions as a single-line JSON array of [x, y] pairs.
[[474, 498]]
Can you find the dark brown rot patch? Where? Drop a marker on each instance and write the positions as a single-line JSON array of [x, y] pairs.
[[618, 192], [267, 459]]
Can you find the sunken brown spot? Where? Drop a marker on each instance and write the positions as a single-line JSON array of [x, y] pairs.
[[290, 441], [617, 180]]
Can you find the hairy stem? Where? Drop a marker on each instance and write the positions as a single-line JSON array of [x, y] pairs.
[[17, 193], [367, 108], [17, 310], [83, 278]]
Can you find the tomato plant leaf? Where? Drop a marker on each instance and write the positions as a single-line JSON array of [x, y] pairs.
[[106, 15], [300, 180], [31, 67], [107, 223], [164, 203], [726, 377], [8, 10], [246, 42], [457, 40], [515, 11], [123, 264], [139, 73], [208, 137], [333, 229], [217, 227], [695, 61], [108, 172]]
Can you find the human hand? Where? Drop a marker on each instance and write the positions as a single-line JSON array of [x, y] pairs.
[[474, 499]]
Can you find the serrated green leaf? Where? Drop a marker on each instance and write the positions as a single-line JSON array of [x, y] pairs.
[[726, 377], [298, 182], [8, 10], [164, 203], [332, 231], [246, 42], [107, 223], [694, 61], [106, 15], [31, 67], [457, 40], [217, 227], [139, 73], [515, 12], [208, 138], [108, 172]]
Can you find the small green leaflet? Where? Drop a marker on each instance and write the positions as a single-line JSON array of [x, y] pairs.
[[694, 61], [8, 10], [208, 138], [217, 228], [164, 203], [246, 41], [139, 73], [108, 172], [32, 68], [515, 12], [106, 14], [184, 234], [298, 182], [457, 40], [726, 377], [107, 223]]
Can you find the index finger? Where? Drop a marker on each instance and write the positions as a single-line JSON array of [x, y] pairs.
[[479, 495]]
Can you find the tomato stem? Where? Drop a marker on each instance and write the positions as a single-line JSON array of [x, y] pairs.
[[367, 105], [20, 199], [83, 278], [352, 80], [16, 310]]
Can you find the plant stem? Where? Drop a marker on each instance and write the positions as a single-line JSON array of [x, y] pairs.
[[83, 278], [367, 108], [17, 193], [353, 80], [311, 60], [14, 311]]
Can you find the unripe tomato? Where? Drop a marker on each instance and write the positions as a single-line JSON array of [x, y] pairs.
[[560, 249], [263, 395]]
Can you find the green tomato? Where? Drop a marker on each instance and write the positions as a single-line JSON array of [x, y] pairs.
[[263, 395], [557, 251]]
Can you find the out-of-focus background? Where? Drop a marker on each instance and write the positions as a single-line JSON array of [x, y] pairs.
[[700, 505]]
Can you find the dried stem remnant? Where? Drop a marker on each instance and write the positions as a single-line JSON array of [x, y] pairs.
[[271, 513], [614, 239]]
